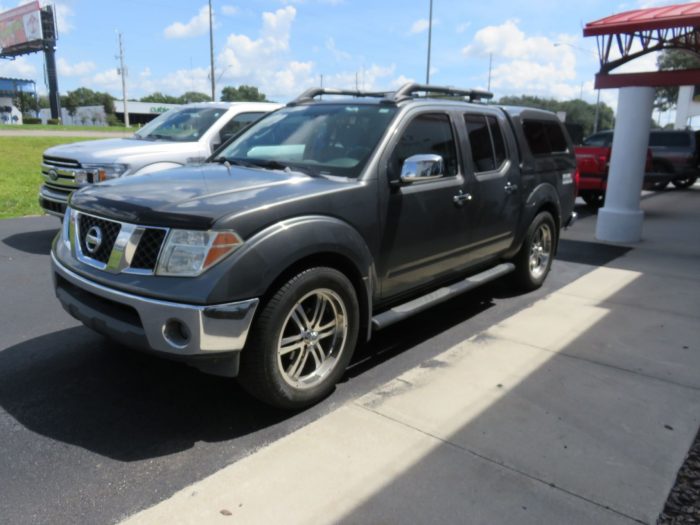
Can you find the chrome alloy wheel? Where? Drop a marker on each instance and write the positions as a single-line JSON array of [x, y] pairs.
[[313, 336], [540, 251]]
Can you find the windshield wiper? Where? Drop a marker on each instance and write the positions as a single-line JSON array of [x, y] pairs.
[[272, 165]]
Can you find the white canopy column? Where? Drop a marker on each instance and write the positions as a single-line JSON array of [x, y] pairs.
[[620, 219]]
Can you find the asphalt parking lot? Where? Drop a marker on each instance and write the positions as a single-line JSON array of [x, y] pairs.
[[91, 432]]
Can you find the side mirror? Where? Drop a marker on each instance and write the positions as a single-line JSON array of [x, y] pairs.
[[420, 168]]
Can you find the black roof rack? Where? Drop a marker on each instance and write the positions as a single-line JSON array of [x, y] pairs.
[[310, 94], [405, 92]]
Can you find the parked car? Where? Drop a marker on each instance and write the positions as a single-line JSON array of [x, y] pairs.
[[186, 134], [593, 161], [676, 152], [323, 222]]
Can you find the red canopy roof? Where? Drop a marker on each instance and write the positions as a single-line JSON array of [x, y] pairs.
[[681, 15]]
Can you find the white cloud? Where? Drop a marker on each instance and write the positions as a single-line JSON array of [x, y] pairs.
[[421, 25], [229, 10], [534, 65], [72, 70], [340, 56], [198, 25], [18, 68], [106, 80], [262, 61]]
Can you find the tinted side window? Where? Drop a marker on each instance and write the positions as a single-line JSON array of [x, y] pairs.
[[486, 141], [669, 139], [499, 147], [536, 137], [598, 140], [429, 133], [480, 142], [544, 137], [557, 141], [237, 123]]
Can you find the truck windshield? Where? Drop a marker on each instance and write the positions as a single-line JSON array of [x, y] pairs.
[[325, 139], [180, 125]]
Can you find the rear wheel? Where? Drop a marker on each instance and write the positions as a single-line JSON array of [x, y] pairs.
[[302, 340], [684, 182], [594, 199], [534, 260]]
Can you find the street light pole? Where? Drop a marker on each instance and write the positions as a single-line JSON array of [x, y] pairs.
[[597, 113], [211, 54], [430, 37]]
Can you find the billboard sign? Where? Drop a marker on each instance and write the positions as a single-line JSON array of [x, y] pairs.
[[20, 25]]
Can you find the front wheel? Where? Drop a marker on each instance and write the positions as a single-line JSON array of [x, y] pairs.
[[302, 340], [684, 182], [534, 260]]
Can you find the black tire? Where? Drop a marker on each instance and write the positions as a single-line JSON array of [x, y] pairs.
[[302, 312], [684, 182], [534, 260], [594, 199], [655, 186]]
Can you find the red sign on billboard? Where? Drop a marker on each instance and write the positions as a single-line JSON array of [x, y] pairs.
[[20, 25]]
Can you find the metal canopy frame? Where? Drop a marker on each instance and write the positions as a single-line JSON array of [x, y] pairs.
[[655, 29]]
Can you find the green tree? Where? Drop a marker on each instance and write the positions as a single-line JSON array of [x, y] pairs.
[[242, 93], [193, 96], [160, 98], [26, 102], [87, 97], [668, 60]]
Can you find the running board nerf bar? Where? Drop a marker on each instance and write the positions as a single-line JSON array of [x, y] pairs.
[[406, 310]]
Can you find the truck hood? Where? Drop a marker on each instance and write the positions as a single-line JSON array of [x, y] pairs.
[[118, 150], [197, 196]]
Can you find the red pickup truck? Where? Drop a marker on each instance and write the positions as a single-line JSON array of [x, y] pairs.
[[593, 162]]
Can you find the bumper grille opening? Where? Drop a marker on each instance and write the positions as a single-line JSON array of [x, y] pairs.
[[56, 207], [107, 307]]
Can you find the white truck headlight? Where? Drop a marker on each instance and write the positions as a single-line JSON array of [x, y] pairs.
[[189, 253], [103, 172]]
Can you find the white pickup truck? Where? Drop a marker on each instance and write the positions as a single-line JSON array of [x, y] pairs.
[[182, 135]]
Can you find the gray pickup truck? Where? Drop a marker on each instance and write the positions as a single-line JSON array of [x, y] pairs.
[[321, 223], [186, 134]]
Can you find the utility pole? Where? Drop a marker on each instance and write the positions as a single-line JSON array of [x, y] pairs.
[[211, 54], [430, 37], [122, 72]]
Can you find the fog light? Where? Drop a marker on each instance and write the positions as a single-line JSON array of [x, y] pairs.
[[176, 333]]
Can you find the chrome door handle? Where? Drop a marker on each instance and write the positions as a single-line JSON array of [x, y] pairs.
[[461, 198], [511, 188]]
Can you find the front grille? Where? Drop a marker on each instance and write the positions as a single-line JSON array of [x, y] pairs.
[[58, 162], [148, 249], [57, 207], [109, 231]]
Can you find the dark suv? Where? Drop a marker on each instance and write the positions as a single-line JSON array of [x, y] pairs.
[[323, 222], [676, 152]]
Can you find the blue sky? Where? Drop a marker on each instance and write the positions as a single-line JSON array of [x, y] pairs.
[[283, 47]]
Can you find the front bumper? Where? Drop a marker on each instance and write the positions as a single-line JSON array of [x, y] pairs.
[[52, 201], [180, 330]]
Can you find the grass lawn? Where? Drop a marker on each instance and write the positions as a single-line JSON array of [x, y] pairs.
[[20, 173], [45, 127]]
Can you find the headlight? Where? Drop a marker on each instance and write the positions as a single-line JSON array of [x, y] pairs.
[[103, 172], [65, 227], [189, 253]]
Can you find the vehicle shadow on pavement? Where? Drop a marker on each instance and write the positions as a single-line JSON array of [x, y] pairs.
[[34, 242], [77, 387]]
